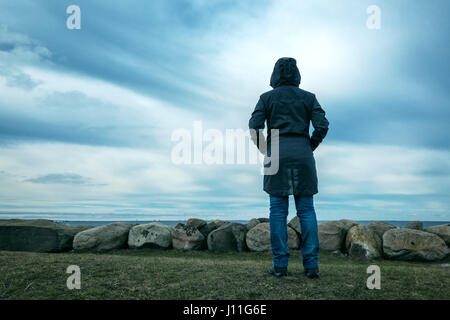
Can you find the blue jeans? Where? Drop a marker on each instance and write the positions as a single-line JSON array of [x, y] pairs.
[[279, 210]]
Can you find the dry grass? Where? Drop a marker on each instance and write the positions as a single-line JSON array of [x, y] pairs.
[[154, 274]]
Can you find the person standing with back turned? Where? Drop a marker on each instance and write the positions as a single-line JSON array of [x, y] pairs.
[[290, 110]]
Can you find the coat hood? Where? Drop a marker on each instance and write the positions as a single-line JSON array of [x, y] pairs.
[[285, 73]]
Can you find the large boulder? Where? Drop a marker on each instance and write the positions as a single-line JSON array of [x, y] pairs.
[[38, 235], [258, 238], [410, 244], [150, 235], [211, 226], [347, 224], [252, 223], [442, 230], [332, 234], [379, 228], [294, 223], [229, 237], [187, 237], [416, 225], [197, 223], [361, 242], [103, 238]]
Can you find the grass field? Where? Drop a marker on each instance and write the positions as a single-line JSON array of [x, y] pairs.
[[154, 274]]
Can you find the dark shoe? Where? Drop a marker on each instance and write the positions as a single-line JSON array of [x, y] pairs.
[[277, 272], [312, 273]]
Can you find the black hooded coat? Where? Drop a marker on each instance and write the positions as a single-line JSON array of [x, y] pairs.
[[290, 110]]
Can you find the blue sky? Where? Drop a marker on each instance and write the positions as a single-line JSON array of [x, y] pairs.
[[87, 115]]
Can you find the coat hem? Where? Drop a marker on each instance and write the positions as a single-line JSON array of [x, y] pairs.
[[289, 193]]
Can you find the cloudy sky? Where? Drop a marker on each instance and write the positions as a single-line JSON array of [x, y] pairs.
[[86, 116]]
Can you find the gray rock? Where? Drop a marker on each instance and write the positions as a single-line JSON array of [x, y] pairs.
[[229, 237], [262, 220], [103, 238], [442, 230], [194, 222], [416, 225], [332, 234], [346, 224], [252, 223], [150, 235], [379, 228], [187, 237], [410, 244], [258, 238], [295, 224], [361, 242], [38, 235], [211, 226]]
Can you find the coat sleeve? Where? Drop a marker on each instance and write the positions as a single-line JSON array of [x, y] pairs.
[[320, 124], [256, 125]]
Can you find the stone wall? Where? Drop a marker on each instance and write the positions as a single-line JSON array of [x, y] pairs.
[[376, 240]]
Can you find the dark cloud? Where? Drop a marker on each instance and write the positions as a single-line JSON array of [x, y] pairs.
[[157, 50], [29, 129], [60, 178], [73, 117], [5, 46], [391, 122], [64, 178], [15, 128], [18, 79]]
